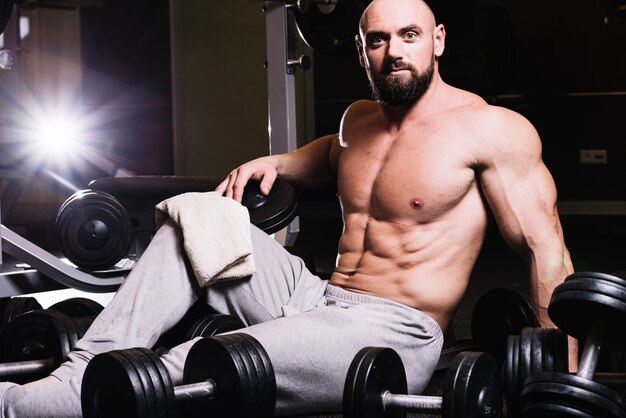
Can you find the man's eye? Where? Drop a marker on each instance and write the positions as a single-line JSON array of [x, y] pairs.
[[410, 35]]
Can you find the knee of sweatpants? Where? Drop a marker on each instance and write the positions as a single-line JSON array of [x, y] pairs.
[[52, 400]]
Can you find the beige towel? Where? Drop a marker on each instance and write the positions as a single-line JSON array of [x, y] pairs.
[[216, 234]]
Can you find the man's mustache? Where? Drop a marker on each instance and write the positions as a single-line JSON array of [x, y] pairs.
[[395, 65]]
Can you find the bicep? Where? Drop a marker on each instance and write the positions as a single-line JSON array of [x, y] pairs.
[[522, 195]]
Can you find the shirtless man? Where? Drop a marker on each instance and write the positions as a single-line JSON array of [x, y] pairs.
[[417, 171]]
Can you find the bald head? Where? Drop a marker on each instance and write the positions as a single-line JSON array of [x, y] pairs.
[[396, 10]]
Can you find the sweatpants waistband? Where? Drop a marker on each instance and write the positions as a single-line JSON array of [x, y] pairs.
[[353, 298]]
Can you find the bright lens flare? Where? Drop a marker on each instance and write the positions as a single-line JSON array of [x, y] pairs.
[[57, 135]]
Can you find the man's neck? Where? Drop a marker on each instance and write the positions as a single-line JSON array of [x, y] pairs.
[[420, 109]]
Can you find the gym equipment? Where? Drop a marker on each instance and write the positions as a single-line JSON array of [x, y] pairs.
[[224, 376], [17, 306], [592, 308], [213, 324], [376, 387], [93, 230], [497, 314], [37, 342], [96, 227], [78, 307], [330, 26], [534, 350], [541, 350], [206, 326]]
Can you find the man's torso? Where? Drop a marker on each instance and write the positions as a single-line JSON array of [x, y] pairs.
[[413, 212]]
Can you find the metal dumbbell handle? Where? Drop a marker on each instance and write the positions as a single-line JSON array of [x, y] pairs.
[[589, 361], [195, 390], [591, 353], [419, 403], [8, 370], [412, 403]]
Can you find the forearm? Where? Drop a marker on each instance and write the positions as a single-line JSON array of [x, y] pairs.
[[548, 268], [307, 166]]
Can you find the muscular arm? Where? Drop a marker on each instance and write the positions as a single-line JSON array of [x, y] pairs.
[[522, 196], [312, 165]]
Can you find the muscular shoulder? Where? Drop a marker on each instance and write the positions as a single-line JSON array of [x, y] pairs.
[[501, 133], [356, 116]]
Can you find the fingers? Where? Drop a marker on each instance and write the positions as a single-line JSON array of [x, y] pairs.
[[234, 184]]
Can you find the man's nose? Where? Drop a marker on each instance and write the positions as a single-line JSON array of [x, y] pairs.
[[395, 50]]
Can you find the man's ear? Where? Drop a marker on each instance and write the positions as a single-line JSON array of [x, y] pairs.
[[440, 40], [360, 49]]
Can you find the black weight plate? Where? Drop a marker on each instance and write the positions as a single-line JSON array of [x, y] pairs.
[[248, 378], [596, 276], [537, 349], [597, 286], [177, 334], [525, 355], [63, 334], [24, 337], [263, 395], [509, 375], [273, 212], [162, 385], [514, 405], [93, 230], [111, 388], [560, 352], [6, 8], [548, 410], [252, 390], [331, 30], [77, 307], [373, 371], [17, 306], [4, 302], [159, 395], [576, 311], [549, 346], [585, 396], [267, 379], [211, 358], [135, 362], [213, 324], [472, 387], [497, 314]]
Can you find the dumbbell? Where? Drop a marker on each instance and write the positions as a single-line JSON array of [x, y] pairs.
[[78, 307], [206, 326], [376, 386], [592, 308], [541, 350], [16, 306], [497, 314], [72, 307], [227, 375], [37, 342]]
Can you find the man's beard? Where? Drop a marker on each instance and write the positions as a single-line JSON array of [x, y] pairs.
[[396, 91]]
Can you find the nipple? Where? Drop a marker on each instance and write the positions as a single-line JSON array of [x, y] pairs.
[[417, 203]]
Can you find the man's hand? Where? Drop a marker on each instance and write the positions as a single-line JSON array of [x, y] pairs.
[[261, 169]]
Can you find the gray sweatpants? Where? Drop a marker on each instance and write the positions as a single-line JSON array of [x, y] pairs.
[[310, 329]]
